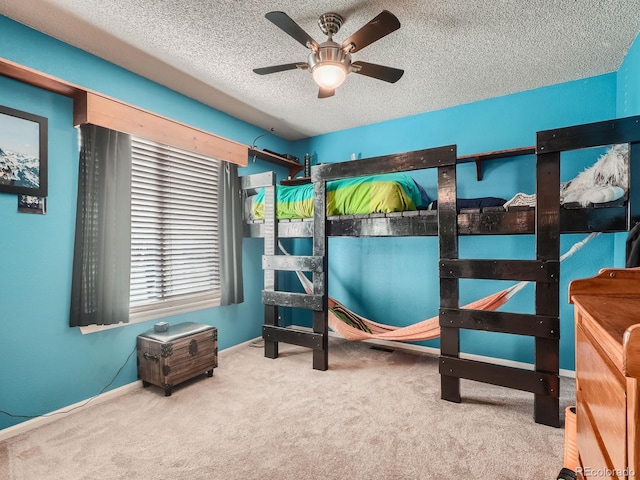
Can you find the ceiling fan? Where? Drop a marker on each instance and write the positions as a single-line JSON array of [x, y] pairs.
[[330, 62]]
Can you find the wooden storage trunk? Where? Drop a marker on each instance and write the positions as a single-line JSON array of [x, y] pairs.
[[184, 351]]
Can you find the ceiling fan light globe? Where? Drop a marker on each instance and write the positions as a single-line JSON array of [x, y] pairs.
[[329, 75]]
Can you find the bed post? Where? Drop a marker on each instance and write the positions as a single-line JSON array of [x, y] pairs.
[[547, 295], [449, 287], [320, 279], [270, 276], [633, 201]]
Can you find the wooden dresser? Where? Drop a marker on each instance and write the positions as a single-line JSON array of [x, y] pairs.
[[607, 315]]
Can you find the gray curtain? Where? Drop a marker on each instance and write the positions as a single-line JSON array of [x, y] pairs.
[[230, 231], [102, 253]]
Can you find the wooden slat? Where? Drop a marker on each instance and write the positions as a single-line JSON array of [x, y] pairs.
[[447, 215], [418, 225], [449, 287], [516, 378], [531, 270], [503, 322], [587, 220], [271, 349], [271, 317], [547, 295], [621, 130], [449, 383], [293, 300], [292, 336], [548, 206], [292, 263], [106, 112], [321, 278], [38, 79], [399, 162], [584, 220], [496, 223]]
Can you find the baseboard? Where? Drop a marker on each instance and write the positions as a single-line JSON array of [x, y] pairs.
[[87, 403], [248, 343], [57, 414], [410, 347]]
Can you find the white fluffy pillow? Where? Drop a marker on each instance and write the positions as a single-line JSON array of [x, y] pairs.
[[598, 194], [611, 169]]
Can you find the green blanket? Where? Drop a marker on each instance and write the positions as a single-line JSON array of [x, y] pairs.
[[391, 192]]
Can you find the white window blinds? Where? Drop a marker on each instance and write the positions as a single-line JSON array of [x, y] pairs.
[[175, 264]]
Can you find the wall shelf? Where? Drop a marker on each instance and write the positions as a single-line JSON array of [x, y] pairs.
[[294, 167], [478, 158]]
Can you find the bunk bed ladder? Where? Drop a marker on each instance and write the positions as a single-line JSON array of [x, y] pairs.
[[273, 299], [544, 326], [543, 381]]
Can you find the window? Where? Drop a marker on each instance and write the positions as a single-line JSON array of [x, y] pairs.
[[174, 231]]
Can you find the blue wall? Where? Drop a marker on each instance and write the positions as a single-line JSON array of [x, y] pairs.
[[628, 101], [45, 364]]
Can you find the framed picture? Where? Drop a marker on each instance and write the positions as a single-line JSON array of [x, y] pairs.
[[23, 153], [32, 204]]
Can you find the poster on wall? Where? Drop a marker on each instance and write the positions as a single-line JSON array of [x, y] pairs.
[[23, 152]]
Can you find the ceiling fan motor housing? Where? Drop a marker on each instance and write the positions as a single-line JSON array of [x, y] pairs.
[[330, 23], [329, 52]]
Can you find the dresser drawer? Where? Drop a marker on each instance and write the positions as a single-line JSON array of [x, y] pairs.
[[601, 408]]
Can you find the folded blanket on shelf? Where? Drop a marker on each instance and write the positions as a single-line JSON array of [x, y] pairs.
[[521, 200], [473, 203]]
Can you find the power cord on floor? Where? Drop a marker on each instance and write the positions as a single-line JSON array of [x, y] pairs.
[[77, 406]]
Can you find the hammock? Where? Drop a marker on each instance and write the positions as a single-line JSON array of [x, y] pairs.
[[352, 326]]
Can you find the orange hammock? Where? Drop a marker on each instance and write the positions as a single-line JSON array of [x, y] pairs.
[[356, 328]]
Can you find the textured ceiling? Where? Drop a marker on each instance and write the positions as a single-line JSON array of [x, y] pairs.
[[453, 52]]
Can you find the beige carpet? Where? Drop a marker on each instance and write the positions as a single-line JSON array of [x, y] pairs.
[[373, 415]]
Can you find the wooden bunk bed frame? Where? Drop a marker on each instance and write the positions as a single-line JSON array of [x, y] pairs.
[[547, 221]]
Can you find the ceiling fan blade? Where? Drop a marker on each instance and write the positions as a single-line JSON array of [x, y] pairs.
[[286, 24], [326, 92], [279, 68], [373, 70], [385, 23]]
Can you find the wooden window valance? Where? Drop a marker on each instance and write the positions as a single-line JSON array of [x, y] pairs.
[[97, 109]]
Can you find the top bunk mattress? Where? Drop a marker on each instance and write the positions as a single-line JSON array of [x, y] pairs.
[[392, 192]]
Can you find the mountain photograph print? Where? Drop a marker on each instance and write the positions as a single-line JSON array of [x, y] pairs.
[[23, 152]]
